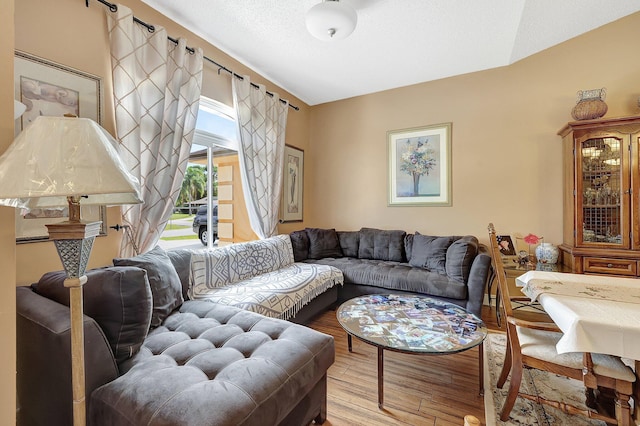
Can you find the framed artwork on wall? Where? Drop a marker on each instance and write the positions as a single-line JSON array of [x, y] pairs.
[[420, 166], [51, 89], [293, 184]]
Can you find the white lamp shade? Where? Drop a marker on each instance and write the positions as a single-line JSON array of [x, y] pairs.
[[56, 157], [331, 20], [18, 109]]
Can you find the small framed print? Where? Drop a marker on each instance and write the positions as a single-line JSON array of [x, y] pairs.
[[293, 184], [505, 243]]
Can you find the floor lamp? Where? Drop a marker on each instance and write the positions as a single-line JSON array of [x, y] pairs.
[[58, 162]]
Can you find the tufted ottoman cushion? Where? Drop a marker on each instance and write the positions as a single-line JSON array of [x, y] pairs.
[[212, 364]]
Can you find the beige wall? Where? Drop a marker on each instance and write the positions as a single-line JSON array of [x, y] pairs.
[[7, 233], [506, 154], [67, 32]]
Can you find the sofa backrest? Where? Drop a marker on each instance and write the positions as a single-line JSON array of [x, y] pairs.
[[118, 298], [447, 255], [43, 349], [229, 264]]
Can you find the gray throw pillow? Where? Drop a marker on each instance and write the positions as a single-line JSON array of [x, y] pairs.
[[460, 256], [164, 281], [117, 298], [300, 245], [430, 253], [408, 246], [323, 243], [181, 260], [381, 244], [349, 243]]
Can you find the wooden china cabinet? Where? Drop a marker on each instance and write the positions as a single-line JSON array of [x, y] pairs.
[[602, 196]]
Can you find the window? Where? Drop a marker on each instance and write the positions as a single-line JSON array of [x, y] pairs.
[[215, 136]]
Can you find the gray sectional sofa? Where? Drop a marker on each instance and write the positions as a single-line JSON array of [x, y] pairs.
[[451, 268], [154, 358]]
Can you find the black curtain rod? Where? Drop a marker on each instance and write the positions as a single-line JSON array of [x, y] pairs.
[[114, 8]]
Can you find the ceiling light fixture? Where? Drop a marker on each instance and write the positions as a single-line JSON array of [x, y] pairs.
[[331, 20]]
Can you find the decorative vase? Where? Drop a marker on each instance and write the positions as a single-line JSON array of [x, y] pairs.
[[590, 104], [547, 253]]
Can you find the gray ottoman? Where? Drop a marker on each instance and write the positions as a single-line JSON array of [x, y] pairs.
[[211, 364]]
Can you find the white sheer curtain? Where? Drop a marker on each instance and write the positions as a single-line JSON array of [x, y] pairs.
[[262, 123], [156, 86]]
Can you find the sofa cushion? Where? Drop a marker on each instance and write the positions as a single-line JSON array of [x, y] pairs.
[[117, 298], [430, 252], [408, 246], [211, 364], [164, 281], [181, 260], [381, 245], [300, 245], [349, 242], [323, 243], [460, 255], [396, 276]]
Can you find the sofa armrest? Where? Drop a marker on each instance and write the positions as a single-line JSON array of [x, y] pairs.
[[478, 277], [43, 340]]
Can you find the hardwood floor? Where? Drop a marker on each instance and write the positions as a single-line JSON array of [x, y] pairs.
[[418, 389]]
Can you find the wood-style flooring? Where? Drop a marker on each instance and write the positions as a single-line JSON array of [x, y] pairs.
[[418, 389]]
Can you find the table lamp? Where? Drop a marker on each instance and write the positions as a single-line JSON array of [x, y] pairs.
[[63, 161]]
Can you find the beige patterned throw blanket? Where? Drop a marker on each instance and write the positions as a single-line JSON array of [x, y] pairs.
[[259, 276]]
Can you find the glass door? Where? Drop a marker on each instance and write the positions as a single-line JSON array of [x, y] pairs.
[[602, 192]]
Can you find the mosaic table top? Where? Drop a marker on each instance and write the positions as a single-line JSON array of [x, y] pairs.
[[411, 323]]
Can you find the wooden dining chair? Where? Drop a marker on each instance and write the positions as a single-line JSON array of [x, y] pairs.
[[532, 344]]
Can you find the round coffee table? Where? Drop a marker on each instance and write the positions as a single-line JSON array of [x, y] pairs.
[[411, 324]]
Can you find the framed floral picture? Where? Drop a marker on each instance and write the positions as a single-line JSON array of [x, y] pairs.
[[291, 209], [51, 89], [420, 166]]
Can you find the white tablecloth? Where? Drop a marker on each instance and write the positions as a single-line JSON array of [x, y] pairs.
[[591, 324]]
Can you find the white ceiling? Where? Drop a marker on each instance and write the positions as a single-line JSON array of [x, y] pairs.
[[396, 42]]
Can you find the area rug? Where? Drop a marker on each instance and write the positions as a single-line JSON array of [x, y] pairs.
[[526, 412]]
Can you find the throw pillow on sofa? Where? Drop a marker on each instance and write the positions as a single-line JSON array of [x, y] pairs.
[[300, 245], [164, 281], [323, 243], [430, 252], [349, 243], [117, 298], [381, 244], [460, 255], [181, 260]]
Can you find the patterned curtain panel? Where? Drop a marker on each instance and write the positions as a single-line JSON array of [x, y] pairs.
[[156, 86], [262, 122]]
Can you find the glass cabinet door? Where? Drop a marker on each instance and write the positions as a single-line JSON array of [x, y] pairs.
[[602, 187]]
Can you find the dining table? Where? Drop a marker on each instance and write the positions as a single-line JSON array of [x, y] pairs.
[[596, 313]]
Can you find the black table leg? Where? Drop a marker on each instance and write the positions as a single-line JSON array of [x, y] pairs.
[[481, 367], [380, 378], [349, 342]]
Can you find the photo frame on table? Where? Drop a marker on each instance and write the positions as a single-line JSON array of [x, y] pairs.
[[51, 89], [506, 245], [420, 166], [293, 184]]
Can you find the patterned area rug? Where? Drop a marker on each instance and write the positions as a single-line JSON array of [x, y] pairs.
[[533, 382]]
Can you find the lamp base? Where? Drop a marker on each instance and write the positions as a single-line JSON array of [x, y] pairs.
[[77, 349], [74, 241]]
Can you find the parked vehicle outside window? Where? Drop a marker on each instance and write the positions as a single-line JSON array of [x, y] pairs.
[[200, 224]]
